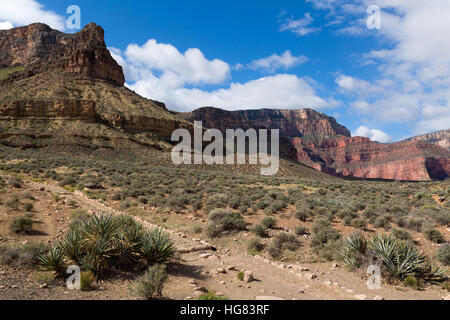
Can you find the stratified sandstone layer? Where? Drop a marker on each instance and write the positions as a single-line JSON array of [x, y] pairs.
[[291, 123], [321, 143], [441, 138], [40, 48]]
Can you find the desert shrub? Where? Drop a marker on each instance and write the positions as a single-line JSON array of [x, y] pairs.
[[14, 182], [103, 244], [22, 224], [399, 259], [284, 240], [303, 214], [240, 275], [443, 254], [381, 222], [156, 247], [434, 235], [301, 230], [323, 234], [411, 282], [21, 254], [411, 223], [353, 251], [223, 220], [401, 234], [260, 231], [150, 285], [197, 229], [211, 296], [358, 223], [86, 281], [255, 245], [28, 206], [269, 222]]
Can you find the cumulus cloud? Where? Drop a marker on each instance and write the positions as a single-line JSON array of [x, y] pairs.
[[190, 67], [24, 12], [275, 62], [280, 91], [372, 134], [159, 71], [300, 27]]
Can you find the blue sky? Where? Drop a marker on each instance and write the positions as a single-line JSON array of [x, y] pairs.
[[386, 84]]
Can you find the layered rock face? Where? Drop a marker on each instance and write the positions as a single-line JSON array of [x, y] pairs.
[[362, 158], [40, 48], [321, 143], [49, 79], [441, 138], [291, 123], [49, 109]]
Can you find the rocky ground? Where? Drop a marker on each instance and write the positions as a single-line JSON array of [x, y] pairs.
[[196, 271]]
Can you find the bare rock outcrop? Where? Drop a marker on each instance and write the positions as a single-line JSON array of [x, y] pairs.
[[39, 48]]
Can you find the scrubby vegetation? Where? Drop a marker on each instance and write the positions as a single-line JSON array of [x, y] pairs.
[[102, 244], [398, 259]]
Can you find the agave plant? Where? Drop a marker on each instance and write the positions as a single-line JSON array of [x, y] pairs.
[[353, 251], [72, 245], [53, 259], [399, 258], [128, 242], [157, 247]]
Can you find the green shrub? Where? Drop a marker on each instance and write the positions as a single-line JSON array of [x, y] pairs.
[[211, 296], [106, 243], [269, 222], [150, 285], [21, 254], [224, 220], [411, 282], [240, 275], [22, 224], [401, 234], [398, 259], [358, 223], [302, 214], [255, 245], [86, 281], [301, 230], [443, 254], [434, 236], [156, 247], [260, 231]]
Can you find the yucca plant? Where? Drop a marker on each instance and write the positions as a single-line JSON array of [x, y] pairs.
[[353, 251], [72, 245], [157, 247], [399, 258], [53, 259]]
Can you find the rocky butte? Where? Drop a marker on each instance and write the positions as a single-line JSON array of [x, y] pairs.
[[66, 86], [321, 143]]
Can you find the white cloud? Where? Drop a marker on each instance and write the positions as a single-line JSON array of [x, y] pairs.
[[177, 68], [159, 71], [280, 91], [351, 83], [24, 12], [275, 62], [372, 134], [300, 27], [6, 25]]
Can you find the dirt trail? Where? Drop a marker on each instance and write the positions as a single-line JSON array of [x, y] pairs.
[[198, 270]]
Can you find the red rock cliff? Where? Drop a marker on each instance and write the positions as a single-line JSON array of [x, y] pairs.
[[38, 48], [318, 141]]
